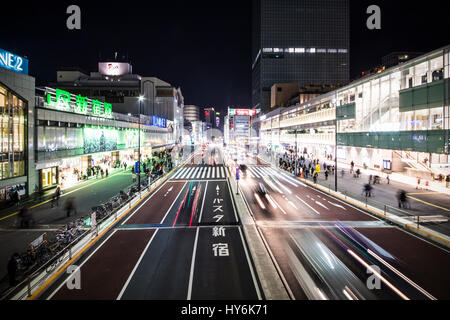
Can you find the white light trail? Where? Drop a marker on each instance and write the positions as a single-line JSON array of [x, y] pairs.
[[390, 285]]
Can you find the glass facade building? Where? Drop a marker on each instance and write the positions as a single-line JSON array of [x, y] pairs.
[[384, 121], [13, 111], [300, 41]]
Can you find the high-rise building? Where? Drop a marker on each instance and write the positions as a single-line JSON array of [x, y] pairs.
[[301, 41], [191, 113]]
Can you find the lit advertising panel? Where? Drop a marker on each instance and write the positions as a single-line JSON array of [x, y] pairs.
[[114, 68], [13, 62], [243, 112]]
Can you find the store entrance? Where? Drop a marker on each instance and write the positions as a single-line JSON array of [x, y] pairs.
[[49, 177]]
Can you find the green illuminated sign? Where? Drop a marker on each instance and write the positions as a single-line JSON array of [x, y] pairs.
[[63, 100]]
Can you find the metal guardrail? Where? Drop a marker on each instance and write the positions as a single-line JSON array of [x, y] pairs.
[[32, 281]]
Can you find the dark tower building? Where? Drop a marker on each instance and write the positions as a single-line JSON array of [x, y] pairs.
[[299, 41]]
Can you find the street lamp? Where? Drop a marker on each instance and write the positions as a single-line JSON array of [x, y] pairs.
[[141, 98]]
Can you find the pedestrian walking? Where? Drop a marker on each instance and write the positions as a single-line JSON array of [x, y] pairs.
[[24, 217], [388, 179], [70, 206], [368, 190], [418, 183], [102, 173], [134, 177], [370, 179], [315, 177], [106, 172], [352, 164], [326, 175], [13, 265], [56, 197]]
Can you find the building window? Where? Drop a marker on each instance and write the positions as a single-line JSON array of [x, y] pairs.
[[12, 134]]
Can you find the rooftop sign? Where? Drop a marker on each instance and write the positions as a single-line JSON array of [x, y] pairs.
[[243, 112], [13, 62], [65, 101]]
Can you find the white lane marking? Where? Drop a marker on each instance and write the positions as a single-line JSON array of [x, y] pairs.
[[337, 205], [292, 204], [195, 172], [96, 249], [254, 173], [273, 186], [282, 186], [307, 205], [320, 204], [262, 172], [404, 297], [203, 203], [180, 173], [136, 266], [204, 172], [222, 172], [250, 173], [255, 283], [209, 172], [213, 173], [186, 176], [278, 205], [282, 177], [191, 274], [199, 172], [151, 196], [415, 285], [218, 173], [232, 200]]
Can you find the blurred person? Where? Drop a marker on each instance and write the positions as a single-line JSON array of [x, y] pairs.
[[368, 190], [56, 197], [13, 266], [70, 206]]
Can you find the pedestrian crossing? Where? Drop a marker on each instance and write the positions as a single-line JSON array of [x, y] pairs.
[[201, 173], [219, 172]]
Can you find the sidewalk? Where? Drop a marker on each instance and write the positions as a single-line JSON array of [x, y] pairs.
[[429, 206]]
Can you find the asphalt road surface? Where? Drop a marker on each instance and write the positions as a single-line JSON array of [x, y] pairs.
[[183, 242], [326, 249]]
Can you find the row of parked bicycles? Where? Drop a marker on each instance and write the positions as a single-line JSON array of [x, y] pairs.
[[52, 244], [104, 210]]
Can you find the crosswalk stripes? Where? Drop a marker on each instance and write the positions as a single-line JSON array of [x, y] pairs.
[[204, 173], [199, 173], [254, 173], [209, 173], [223, 173]]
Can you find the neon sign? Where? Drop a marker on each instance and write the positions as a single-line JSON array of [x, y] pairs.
[[159, 122], [243, 112], [65, 101], [13, 62]]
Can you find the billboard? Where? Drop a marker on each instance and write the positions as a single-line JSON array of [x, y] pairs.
[[114, 68], [243, 112], [13, 62]]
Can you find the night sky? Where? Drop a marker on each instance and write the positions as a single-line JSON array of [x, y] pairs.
[[202, 46]]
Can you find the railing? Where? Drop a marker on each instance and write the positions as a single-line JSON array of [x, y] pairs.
[[33, 280]]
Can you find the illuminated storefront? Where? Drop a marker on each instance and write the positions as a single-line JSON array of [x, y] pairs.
[[80, 138], [395, 120], [13, 111]]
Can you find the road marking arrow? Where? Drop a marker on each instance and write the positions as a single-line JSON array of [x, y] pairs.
[[170, 189], [337, 205]]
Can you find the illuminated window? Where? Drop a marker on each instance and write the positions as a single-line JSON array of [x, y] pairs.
[[332, 50], [342, 50]]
